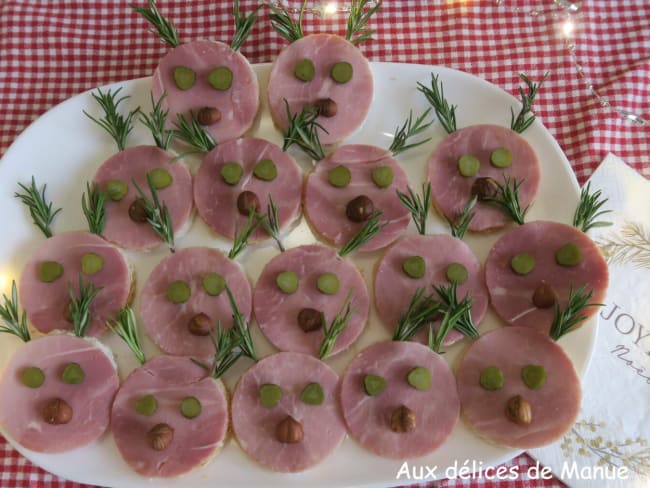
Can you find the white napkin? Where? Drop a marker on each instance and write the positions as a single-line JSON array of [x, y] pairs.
[[610, 442]]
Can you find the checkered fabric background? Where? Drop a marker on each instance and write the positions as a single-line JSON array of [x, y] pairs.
[[53, 49]]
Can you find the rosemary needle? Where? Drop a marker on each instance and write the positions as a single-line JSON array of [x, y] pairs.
[[410, 129], [124, 326], [158, 214], [242, 235], [371, 228], [241, 329], [589, 209], [243, 25], [39, 208], [565, 320], [418, 205], [271, 223], [15, 323], [448, 298], [435, 95], [113, 122], [162, 26], [192, 134], [79, 307], [93, 205], [302, 130], [460, 225], [449, 319], [422, 310], [357, 21], [522, 121], [507, 199], [337, 326], [155, 122], [284, 25]]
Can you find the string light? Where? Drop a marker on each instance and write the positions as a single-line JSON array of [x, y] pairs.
[[330, 8]]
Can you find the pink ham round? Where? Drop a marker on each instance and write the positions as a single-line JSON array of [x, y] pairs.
[[166, 323], [325, 204], [511, 294], [46, 304], [133, 164], [195, 440], [90, 401], [277, 312], [254, 425], [554, 406], [369, 417], [352, 98], [238, 105], [216, 200], [451, 191], [394, 288]]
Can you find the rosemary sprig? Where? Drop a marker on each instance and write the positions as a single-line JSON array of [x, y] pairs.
[[337, 326], [523, 121], [243, 25], [192, 134], [303, 131], [271, 223], [449, 320], [163, 27], [242, 235], [410, 129], [39, 208], [589, 209], [155, 122], [79, 307], [370, 229], [124, 326], [460, 225], [158, 214], [113, 122], [507, 199], [93, 205], [241, 329], [422, 309], [449, 299], [418, 205], [226, 351], [15, 323], [357, 21], [565, 320], [436, 96], [284, 25]]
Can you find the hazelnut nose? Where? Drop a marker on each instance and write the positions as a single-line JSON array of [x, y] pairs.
[[246, 201], [359, 209]]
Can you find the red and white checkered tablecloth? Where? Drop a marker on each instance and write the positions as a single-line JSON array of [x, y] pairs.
[[53, 49]]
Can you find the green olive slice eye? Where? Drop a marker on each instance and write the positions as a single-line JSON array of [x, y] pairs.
[[116, 190], [328, 283], [191, 407], [382, 176], [468, 165], [312, 394], [73, 374], [373, 384], [146, 405], [491, 378], [522, 263], [270, 395], [534, 376], [341, 72], [339, 176], [287, 281], [501, 157], [419, 378], [160, 178], [49, 271], [304, 70], [220, 78], [32, 377], [178, 291], [414, 267], [231, 173], [265, 170], [91, 263], [457, 273], [184, 77], [214, 284], [568, 255]]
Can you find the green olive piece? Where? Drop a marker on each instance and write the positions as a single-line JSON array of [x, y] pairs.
[[49, 271], [270, 395], [457, 273], [522, 263], [73, 374], [160, 178], [91, 263], [501, 157], [414, 267], [339, 176], [312, 394], [568, 255], [534, 376], [265, 170], [184, 77], [146, 405], [191, 407], [287, 281], [116, 189], [220, 78], [304, 70], [178, 291], [32, 377], [328, 283], [382, 176], [232, 173], [468, 165], [419, 378], [214, 284], [373, 384], [491, 378], [341, 72]]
